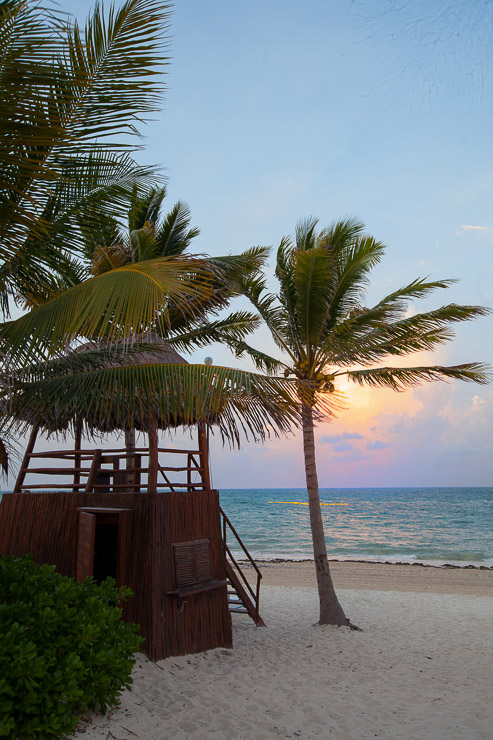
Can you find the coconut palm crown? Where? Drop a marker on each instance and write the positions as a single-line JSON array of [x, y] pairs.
[[151, 235], [326, 333]]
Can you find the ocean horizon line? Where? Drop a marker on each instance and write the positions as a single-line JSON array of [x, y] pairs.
[[351, 488]]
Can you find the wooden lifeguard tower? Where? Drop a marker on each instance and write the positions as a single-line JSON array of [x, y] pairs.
[[146, 516]]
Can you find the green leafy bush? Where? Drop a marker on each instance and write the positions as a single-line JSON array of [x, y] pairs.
[[63, 649]]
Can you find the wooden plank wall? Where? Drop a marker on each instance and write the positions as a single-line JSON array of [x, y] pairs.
[[203, 621], [45, 524]]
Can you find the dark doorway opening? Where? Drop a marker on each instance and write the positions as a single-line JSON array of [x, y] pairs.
[[105, 551]]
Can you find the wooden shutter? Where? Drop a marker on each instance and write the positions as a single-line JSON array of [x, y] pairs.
[[84, 566], [192, 562], [184, 571], [202, 560]]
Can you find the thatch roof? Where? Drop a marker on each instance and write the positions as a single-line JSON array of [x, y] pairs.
[[110, 388], [51, 415], [144, 349]]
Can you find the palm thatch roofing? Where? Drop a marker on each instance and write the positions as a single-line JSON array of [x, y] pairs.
[[108, 388]]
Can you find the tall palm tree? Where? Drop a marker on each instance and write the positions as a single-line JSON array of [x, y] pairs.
[[326, 333]]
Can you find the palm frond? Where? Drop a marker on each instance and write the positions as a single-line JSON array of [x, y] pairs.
[[239, 402], [113, 67], [143, 243], [349, 345], [311, 280], [64, 95], [393, 305], [145, 207], [359, 322], [102, 235], [319, 316], [112, 257], [174, 234], [262, 361], [228, 330], [285, 266], [305, 233], [401, 378], [65, 272], [341, 233], [351, 268], [228, 273], [77, 217], [116, 304], [236, 267]]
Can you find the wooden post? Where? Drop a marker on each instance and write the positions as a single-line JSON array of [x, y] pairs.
[[25, 460], [153, 456], [93, 473], [189, 471], [77, 460], [204, 454], [131, 461], [138, 473]]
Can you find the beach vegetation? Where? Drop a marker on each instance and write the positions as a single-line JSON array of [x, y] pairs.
[[74, 100], [64, 649], [326, 334]]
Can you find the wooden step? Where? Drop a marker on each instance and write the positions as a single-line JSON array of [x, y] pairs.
[[243, 595]]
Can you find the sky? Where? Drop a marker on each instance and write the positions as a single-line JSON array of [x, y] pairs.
[[278, 110]]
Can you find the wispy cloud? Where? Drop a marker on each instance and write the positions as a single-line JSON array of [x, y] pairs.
[[343, 447], [378, 444], [472, 227], [337, 438]]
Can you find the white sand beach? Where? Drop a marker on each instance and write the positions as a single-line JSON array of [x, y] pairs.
[[421, 669]]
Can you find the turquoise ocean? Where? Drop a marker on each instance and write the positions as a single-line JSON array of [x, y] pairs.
[[419, 525]]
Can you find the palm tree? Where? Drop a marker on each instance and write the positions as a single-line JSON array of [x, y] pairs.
[[111, 300], [150, 236], [325, 333], [72, 104]]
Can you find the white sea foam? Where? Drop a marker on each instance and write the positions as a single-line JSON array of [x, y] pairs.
[[404, 559]]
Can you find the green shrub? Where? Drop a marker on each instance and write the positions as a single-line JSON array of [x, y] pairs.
[[63, 649]]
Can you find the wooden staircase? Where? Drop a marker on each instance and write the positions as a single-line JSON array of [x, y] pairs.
[[242, 597]]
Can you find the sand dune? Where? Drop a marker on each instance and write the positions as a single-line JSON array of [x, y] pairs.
[[421, 669]]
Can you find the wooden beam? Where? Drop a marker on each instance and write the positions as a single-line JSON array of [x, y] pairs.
[[26, 459], [130, 457], [153, 455], [95, 467], [77, 446], [204, 454]]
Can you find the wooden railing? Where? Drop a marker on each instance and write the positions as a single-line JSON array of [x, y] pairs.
[[249, 596], [115, 478]]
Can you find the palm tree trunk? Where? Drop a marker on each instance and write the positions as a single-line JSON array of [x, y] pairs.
[[331, 612]]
